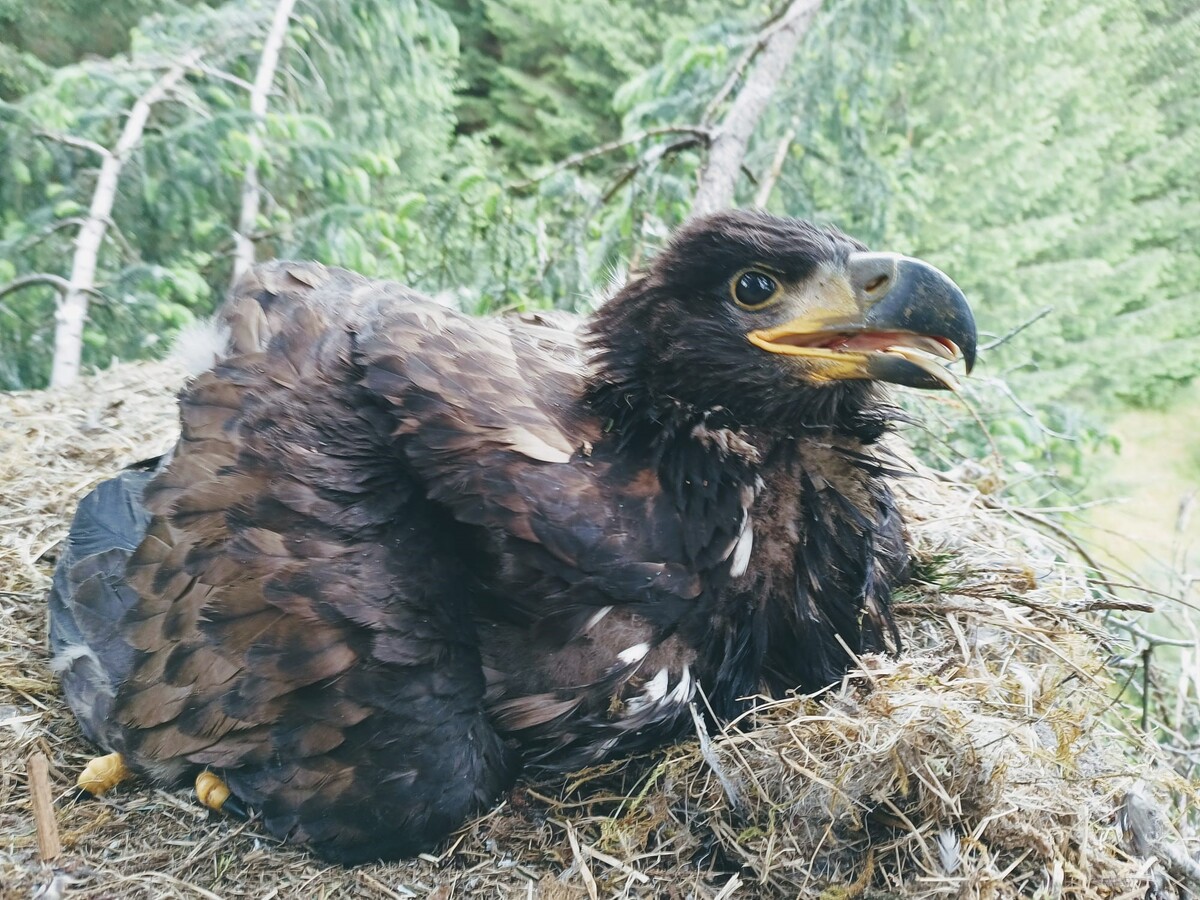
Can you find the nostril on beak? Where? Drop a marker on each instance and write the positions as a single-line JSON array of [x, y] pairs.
[[876, 283], [872, 275]]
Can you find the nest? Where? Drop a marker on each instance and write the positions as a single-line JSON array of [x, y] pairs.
[[991, 759]]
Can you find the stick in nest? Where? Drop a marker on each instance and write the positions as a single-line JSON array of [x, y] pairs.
[[38, 769], [710, 757]]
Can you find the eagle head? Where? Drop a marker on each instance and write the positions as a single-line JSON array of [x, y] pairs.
[[781, 323]]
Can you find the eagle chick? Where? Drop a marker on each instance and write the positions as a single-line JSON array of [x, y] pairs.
[[399, 552]]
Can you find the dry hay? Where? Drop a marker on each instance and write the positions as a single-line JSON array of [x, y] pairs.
[[990, 760]]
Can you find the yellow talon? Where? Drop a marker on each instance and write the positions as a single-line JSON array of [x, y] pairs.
[[212, 791], [103, 774]]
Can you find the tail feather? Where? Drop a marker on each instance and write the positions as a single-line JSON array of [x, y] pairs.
[[89, 597]]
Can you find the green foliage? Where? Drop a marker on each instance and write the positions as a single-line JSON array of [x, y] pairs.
[[19, 72], [340, 155], [540, 77], [1046, 177], [59, 32]]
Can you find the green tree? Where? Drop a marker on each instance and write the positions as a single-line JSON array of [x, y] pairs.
[[1030, 179], [59, 32], [341, 155], [539, 78]]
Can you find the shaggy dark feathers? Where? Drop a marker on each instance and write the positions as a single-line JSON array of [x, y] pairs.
[[398, 550]]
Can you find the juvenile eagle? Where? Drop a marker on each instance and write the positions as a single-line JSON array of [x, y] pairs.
[[398, 552]]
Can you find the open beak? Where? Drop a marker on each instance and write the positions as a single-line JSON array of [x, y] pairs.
[[905, 323]]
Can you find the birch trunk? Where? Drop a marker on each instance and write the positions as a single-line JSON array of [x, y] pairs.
[[727, 151], [71, 313], [243, 254]]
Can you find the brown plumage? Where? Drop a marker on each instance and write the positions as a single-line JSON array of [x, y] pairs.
[[398, 552]]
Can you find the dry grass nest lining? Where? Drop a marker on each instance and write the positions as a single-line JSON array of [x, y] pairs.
[[988, 760]]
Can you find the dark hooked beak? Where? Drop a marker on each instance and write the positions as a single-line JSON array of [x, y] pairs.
[[908, 321]]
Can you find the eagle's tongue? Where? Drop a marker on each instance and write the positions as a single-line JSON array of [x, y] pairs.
[[879, 341]]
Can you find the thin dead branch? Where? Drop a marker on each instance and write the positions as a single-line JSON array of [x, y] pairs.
[[57, 282], [771, 178], [699, 135], [1014, 331], [71, 140]]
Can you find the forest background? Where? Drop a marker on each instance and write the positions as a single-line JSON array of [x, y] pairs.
[[515, 154]]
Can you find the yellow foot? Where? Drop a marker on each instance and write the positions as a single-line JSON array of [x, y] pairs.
[[214, 793], [103, 774]]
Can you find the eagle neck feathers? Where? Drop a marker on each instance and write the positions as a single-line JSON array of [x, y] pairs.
[[772, 633]]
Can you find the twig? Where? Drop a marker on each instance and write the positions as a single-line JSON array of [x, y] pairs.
[[57, 282], [34, 239], [380, 886], [585, 871], [1137, 587], [1041, 314], [710, 757], [77, 142], [222, 75], [1117, 605], [1147, 659], [639, 877], [619, 182], [1058, 530], [982, 425], [776, 168], [734, 882], [1045, 429], [699, 132], [1152, 640], [38, 769], [1187, 506]]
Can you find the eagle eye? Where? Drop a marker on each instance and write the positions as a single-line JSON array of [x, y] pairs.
[[753, 289]]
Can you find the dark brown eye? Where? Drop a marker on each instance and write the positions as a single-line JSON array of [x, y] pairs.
[[754, 288]]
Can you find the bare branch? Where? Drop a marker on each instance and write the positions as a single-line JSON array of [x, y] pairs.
[[34, 239], [1152, 640], [222, 75], [71, 141], [727, 150], [117, 236], [699, 134], [1030, 414], [620, 181], [243, 257], [1041, 314], [57, 282], [190, 101], [72, 311]]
